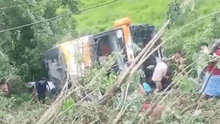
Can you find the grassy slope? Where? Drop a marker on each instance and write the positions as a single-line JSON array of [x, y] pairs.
[[139, 11]]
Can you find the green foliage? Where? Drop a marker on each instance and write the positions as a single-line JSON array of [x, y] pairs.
[[136, 48], [13, 102], [186, 85], [135, 101], [175, 117], [175, 13], [189, 38], [70, 105], [7, 70], [135, 80], [204, 58], [2, 114], [101, 75], [24, 45], [20, 109], [20, 49]]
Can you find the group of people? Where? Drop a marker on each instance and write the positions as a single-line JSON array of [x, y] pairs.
[[161, 73], [209, 76]]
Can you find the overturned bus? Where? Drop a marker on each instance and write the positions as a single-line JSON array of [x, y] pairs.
[[61, 62]]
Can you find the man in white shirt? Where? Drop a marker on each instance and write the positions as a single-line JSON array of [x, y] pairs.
[[159, 73]]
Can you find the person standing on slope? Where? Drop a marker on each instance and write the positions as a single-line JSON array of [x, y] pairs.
[[211, 87], [41, 87], [160, 73]]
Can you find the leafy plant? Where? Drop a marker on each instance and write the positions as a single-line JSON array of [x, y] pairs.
[[69, 105], [186, 85], [101, 75], [174, 117]]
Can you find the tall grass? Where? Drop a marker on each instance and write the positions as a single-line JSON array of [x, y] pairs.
[[101, 19]]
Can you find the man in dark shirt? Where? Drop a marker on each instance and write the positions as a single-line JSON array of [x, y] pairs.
[[41, 87]]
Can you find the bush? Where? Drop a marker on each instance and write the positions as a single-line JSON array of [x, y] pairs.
[[13, 102], [69, 105]]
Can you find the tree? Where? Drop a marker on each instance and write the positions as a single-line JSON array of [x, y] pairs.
[[22, 47]]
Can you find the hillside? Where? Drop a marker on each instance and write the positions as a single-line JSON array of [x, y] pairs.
[[139, 11]]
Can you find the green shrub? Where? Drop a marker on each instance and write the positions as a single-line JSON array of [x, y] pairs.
[[175, 117], [13, 101], [70, 106], [186, 85]]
